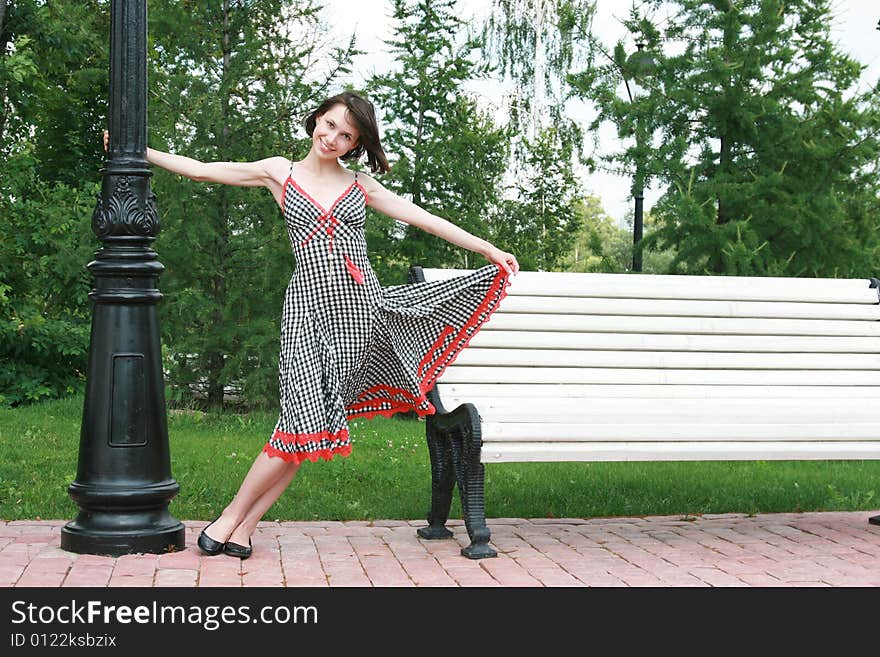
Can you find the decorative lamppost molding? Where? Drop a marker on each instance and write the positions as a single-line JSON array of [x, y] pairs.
[[128, 209]]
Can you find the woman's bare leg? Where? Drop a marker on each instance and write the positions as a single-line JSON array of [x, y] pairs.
[[263, 476], [246, 527]]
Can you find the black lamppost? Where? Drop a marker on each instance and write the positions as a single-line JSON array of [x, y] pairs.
[[123, 481], [640, 64]]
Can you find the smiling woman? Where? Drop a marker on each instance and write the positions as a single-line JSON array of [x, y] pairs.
[[349, 346], [355, 119]]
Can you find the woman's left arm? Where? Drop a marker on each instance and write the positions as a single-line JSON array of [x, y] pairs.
[[399, 208]]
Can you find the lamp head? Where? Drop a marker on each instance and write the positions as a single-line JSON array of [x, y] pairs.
[[641, 63]]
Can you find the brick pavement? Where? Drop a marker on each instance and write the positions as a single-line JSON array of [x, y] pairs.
[[770, 550]]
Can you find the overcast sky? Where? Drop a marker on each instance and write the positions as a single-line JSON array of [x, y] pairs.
[[854, 28]]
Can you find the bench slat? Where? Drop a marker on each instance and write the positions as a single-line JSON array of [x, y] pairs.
[[664, 411], [561, 431], [688, 308], [453, 394], [683, 342], [666, 359], [681, 325], [671, 451], [643, 286], [464, 374]]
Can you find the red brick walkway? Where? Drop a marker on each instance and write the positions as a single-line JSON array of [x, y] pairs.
[[804, 549]]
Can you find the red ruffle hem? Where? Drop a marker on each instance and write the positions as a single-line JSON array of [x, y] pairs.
[[341, 440]]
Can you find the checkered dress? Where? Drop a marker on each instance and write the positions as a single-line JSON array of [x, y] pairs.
[[350, 347]]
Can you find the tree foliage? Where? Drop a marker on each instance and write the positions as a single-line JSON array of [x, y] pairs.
[[533, 43], [49, 157], [447, 155], [767, 151], [602, 245], [541, 219]]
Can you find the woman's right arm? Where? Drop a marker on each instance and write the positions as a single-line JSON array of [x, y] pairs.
[[244, 174], [269, 172]]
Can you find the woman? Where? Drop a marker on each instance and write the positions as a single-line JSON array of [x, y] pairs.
[[349, 347]]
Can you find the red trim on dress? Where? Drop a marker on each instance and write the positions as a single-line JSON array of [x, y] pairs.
[[308, 196], [315, 203], [299, 457], [368, 409], [462, 340], [436, 367], [354, 271], [389, 390], [303, 438], [357, 183], [327, 217], [388, 412], [331, 222], [423, 364]]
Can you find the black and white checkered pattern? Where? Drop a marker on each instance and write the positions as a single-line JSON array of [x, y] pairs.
[[350, 347]]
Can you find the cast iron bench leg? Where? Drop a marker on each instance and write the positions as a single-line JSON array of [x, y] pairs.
[[471, 487], [442, 482], [454, 442]]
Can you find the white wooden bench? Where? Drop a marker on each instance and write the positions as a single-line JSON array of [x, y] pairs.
[[636, 367]]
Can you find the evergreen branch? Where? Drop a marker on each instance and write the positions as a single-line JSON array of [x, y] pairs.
[[830, 169]]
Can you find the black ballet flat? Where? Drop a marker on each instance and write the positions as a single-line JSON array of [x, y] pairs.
[[240, 551], [207, 544]]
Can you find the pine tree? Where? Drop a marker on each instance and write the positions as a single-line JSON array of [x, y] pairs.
[[447, 155], [767, 152], [532, 43], [542, 219]]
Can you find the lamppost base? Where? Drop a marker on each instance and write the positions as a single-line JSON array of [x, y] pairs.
[[115, 534]]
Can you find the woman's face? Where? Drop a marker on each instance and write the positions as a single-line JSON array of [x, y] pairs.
[[334, 134]]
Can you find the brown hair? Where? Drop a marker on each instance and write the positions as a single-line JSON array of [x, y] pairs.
[[363, 115]]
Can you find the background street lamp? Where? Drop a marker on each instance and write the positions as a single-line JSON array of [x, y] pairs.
[[123, 481], [639, 65]]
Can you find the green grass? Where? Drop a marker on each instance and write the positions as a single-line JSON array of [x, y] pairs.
[[388, 475]]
